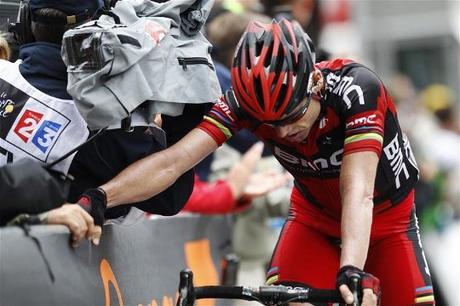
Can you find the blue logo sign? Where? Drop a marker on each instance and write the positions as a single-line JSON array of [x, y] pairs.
[[45, 135]]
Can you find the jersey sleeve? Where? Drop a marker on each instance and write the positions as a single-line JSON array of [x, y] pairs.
[[364, 107], [220, 123]]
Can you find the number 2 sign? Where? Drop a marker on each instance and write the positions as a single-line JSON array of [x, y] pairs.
[[42, 133], [27, 124]]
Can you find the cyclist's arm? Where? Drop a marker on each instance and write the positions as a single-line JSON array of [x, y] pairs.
[[363, 110], [357, 187], [153, 174]]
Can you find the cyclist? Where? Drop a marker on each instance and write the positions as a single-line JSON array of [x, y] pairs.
[[334, 127]]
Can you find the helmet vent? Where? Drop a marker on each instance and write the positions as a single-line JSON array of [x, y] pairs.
[[278, 68], [259, 46], [295, 61], [278, 60], [280, 98], [259, 91], [248, 58], [268, 55]]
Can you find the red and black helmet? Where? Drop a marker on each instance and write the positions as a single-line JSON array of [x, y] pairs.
[[271, 70]]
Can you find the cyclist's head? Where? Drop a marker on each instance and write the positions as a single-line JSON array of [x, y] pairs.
[[271, 71]]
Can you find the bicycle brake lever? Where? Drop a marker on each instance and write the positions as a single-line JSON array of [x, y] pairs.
[[186, 289], [355, 279]]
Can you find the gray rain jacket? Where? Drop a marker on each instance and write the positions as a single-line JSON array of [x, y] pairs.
[[156, 53]]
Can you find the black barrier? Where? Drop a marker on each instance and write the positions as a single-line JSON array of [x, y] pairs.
[[135, 264]]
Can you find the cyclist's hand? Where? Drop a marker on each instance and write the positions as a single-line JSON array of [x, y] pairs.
[[368, 298], [94, 201], [369, 284]]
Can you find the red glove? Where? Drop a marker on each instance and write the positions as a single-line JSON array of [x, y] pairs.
[[366, 280]]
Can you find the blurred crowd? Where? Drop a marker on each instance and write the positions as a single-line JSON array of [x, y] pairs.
[[429, 116]]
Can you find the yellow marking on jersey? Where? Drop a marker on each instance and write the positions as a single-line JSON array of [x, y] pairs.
[[423, 299], [364, 136], [272, 279], [223, 128]]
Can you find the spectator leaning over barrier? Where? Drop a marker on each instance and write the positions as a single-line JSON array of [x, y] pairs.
[[103, 157], [119, 146], [334, 127], [36, 111]]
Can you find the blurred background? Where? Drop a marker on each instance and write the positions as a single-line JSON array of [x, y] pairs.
[[414, 46]]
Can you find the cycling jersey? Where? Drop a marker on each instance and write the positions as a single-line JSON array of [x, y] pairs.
[[356, 115]]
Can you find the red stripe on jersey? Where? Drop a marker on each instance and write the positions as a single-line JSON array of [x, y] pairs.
[[213, 131], [362, 146]]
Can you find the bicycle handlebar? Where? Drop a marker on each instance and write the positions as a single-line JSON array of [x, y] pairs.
[[271, 295], [267, 295]]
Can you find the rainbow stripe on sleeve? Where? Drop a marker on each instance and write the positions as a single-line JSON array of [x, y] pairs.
[[364, 136], [272, 276], [424, 295], [226, 131]]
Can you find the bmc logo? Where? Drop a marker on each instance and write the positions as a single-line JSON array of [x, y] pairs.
[[335, 160], [45, 132], [344, 86], [361, 121]]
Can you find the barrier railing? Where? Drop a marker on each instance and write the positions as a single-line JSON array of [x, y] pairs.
[[134, 264]]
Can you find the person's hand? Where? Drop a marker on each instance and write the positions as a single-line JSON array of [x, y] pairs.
[[369, 284], [239, 175], [94, 201], [264, 182], [79, 222]]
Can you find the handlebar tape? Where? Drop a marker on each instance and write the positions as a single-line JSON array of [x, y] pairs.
[[324, 295]]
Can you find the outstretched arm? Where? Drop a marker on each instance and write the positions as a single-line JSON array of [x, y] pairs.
[[153, 174]]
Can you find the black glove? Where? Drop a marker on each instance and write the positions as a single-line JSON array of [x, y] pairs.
[[366, 280], [94, 201]]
